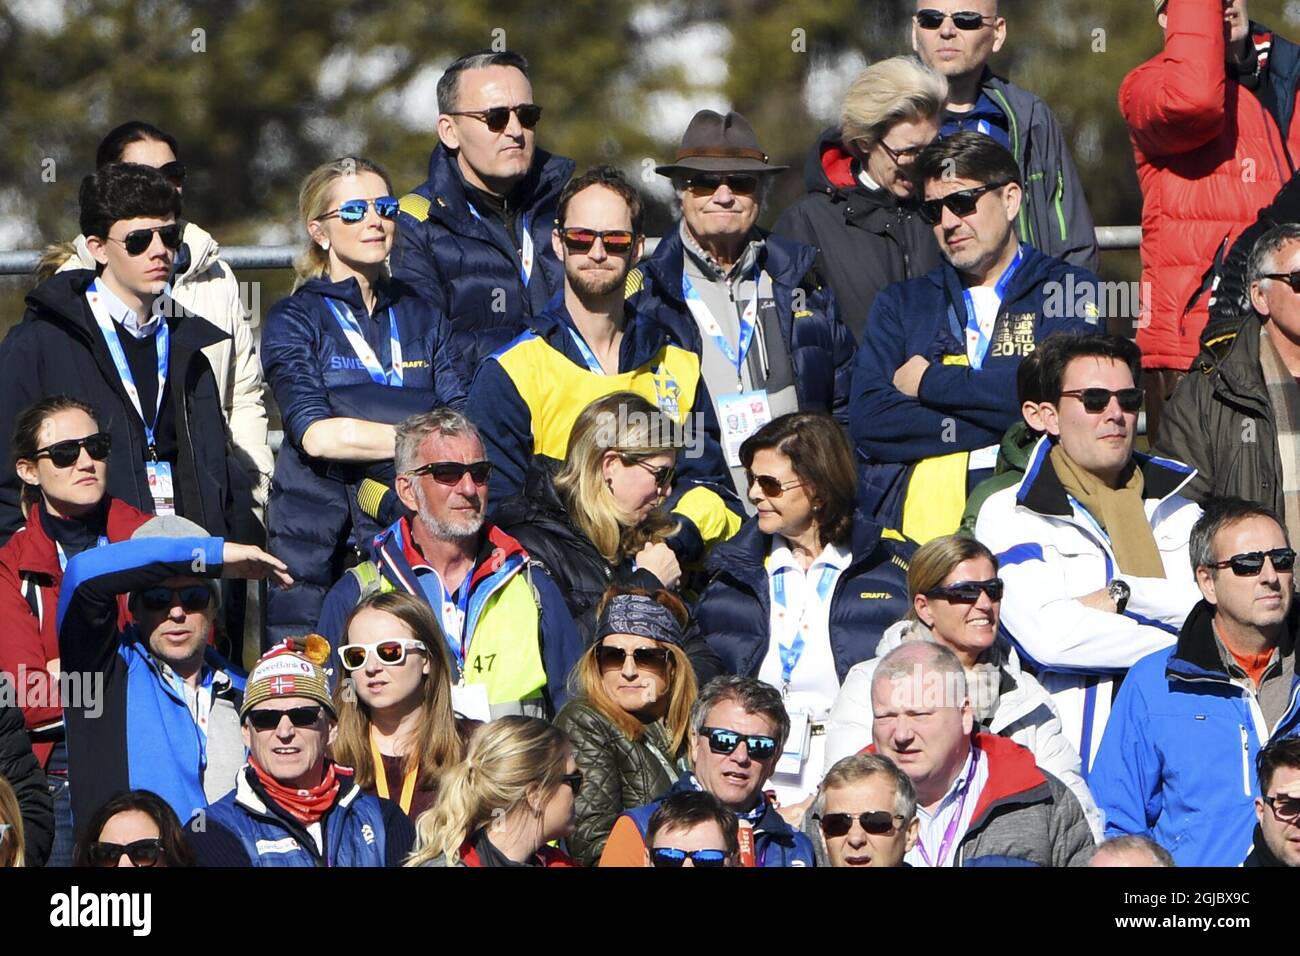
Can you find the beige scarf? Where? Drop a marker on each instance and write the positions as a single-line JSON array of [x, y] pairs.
[[1119, 511]]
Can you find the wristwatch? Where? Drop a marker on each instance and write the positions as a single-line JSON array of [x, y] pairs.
[[1120, 592]]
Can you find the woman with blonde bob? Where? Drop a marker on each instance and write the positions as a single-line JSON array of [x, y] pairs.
[[601, 520], [629, 718], [396, 726], [860, 209], [514, 793], [350, 353], [956, 601]]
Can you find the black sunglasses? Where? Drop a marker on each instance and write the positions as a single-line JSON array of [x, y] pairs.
[[1285, 807], [139, 852], [875, 822], [655, 658], [573, 780], [580, 239], [670, 856], [1097, 400], [195, 597], [451, 472], [174, 172], [139, 240], [1252, 562], [270, 719], [64, 454], [962, 202], [771, 487], [663, 475], [354, 210], [706, 184], [1290, 278], [962, 19], [724, 741], [968, 591], [498, 117]]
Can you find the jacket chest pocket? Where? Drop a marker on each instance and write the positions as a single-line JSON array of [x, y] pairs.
[[1084, 558]]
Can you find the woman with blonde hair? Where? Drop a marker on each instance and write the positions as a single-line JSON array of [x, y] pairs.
[[351, 352], [396, 726], [630, 717], [514, 793], [601, 520], [860, 207]]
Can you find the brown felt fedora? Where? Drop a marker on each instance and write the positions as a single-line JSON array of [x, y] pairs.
[[714, 143]]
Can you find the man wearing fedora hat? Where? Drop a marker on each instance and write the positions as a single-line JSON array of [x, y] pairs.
[[750, 304]]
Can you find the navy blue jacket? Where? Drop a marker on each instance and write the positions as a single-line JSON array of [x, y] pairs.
[[245, 828], [316, 375], [734, 613], [819, 344], [468, 267]]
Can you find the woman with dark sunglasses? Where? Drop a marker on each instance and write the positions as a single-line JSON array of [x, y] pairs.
[[630, 717], [956, 600], [62, 458], [807, 586], [136, 828], [350, 353]]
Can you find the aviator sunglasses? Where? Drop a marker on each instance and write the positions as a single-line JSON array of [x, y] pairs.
[[139, 240], [354, 210], [498, 117], [64, 454], [609, 657]]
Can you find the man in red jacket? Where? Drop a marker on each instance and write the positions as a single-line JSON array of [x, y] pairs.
[[1211, 118]]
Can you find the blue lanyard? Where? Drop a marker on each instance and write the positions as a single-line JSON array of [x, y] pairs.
[[162, 341], [972, 321], [63, 558], [748, 320], [525, 244], [432, 583], [588, 355], [352, 332], [790, 655]]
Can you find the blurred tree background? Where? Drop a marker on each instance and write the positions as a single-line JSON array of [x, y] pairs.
[[259, 91]]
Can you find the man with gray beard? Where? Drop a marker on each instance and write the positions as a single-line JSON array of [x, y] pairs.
[[509, 635]]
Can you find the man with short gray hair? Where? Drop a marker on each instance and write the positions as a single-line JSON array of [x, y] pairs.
[[979, 796], [1130, 851], [1237, 422]]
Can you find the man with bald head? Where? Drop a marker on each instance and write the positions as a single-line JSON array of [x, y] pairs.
[[979, 796], [1130, 851], [956, 38]]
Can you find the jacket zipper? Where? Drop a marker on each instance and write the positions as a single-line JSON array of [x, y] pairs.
[[1245, 761]]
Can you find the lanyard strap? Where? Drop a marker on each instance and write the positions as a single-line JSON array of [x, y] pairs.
[[973, 330], [63, 557], [790, 654], [381, 778], [162, 342], [951, 832], [454, 631], [588, 355], [748, 319], [352, 332], [525, 244]]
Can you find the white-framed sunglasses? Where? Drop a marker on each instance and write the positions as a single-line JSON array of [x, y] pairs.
[[391, 652]]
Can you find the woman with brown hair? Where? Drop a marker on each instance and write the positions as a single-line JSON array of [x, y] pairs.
[[806, 587], [396, 727], [629, 719]]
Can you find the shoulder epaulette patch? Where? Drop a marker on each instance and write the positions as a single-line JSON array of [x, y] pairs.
[[415, 206], [633, 283], [891, 534]]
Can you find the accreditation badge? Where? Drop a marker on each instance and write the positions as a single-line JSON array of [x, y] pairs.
[[740, 416]]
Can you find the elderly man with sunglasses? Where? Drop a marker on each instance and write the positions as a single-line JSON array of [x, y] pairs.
[[1177, 761], [934, 381], [1093, 541], [158, 707], [511, 639], [474, 238], [751, 305]]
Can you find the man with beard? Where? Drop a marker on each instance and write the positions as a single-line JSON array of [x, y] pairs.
[[509, 634]]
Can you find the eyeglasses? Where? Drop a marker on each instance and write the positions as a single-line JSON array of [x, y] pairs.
[[669, 856], [174, 172], [386, 652], [451, 472], [706, 184], [270, 719], [962, 20], [724, 741], [354, 210], [1285, 807], [961, 203], [498, 117], [905, 155], [66, 453], [968, 591], [662, 475], [574, 781], [581, 239], [139, 852], [1290, 278], [195, 597], [875, 822], [771, 487], [1252, 562], [139, 240], [654, 658], [1097, 400]]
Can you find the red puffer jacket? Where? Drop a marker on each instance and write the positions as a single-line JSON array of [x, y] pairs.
[[1209, 156]]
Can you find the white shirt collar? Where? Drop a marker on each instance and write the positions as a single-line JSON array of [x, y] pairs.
[[865, 178], [963, 779], [781, 557], [126, 317]]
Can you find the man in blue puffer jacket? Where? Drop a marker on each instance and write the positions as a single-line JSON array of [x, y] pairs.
[[474, 239]]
